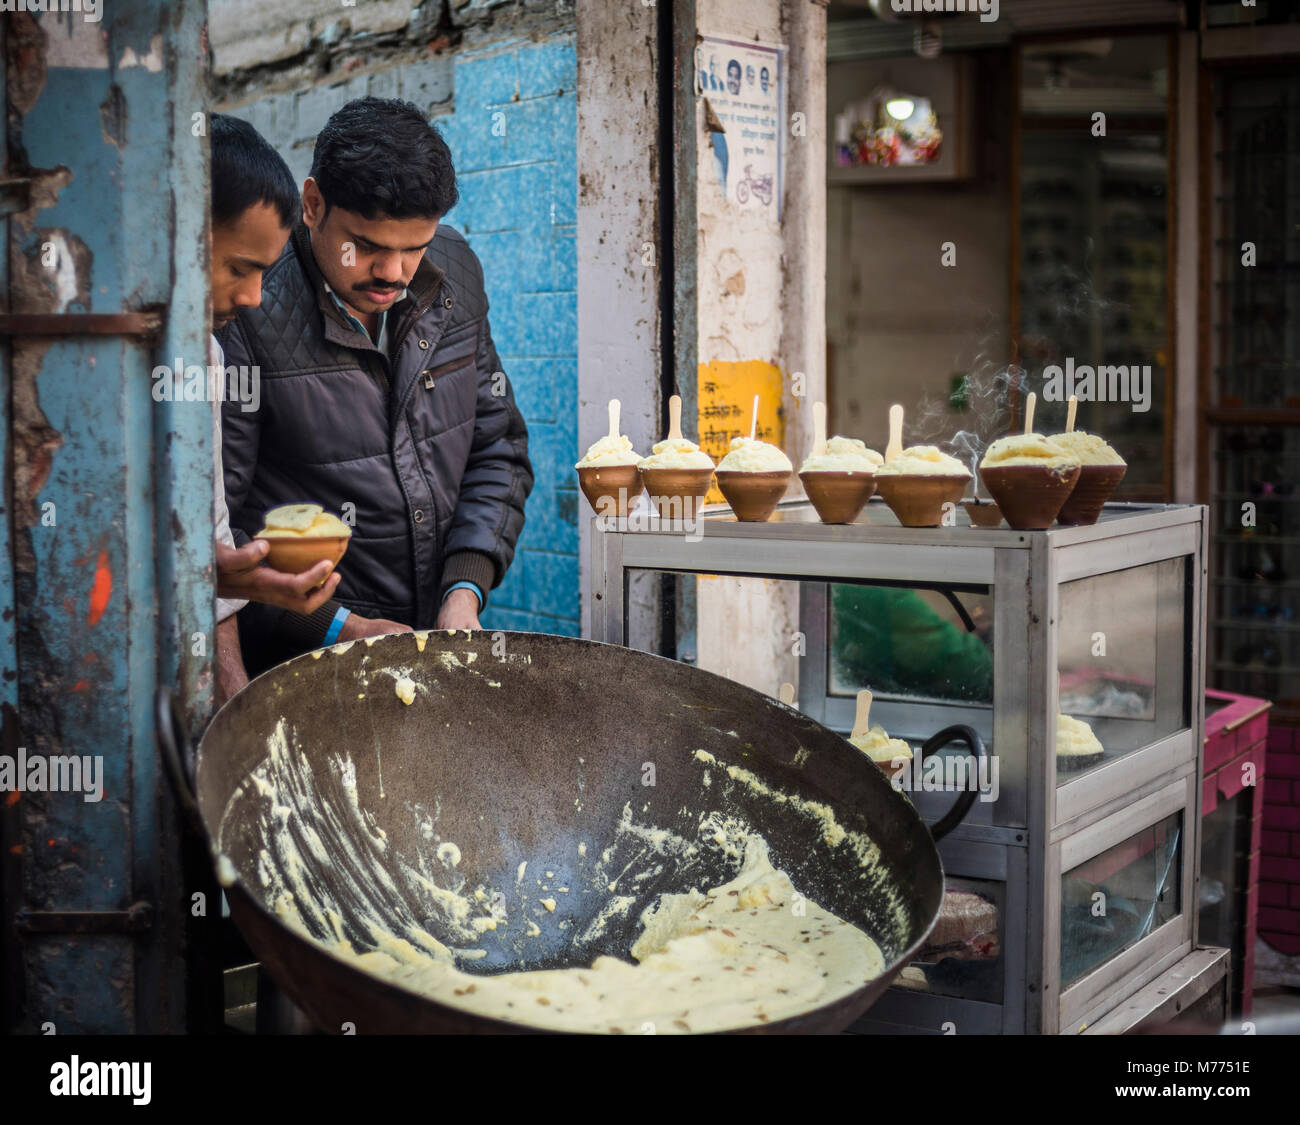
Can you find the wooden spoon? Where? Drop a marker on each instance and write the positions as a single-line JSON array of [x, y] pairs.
[[861, 721], [753, 423], [1070, 411], [895, 447], [819, 429], [1030, 400], [787, 694], [675, 418], [614, 407]]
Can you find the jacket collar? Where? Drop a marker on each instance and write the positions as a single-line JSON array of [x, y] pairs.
[[424, 285]]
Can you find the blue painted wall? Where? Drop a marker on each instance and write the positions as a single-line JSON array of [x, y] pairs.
[[514, 138], [513, 135]]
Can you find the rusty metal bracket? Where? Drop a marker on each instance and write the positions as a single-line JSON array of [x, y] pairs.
[[137, 324], [136, 919]]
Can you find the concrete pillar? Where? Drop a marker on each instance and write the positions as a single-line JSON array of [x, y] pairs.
[[760, 296]]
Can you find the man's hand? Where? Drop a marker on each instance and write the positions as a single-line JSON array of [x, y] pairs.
[[240, 576], [356, 627], [459, 611]]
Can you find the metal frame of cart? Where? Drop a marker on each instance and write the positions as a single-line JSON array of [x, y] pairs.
[[1035, 830]]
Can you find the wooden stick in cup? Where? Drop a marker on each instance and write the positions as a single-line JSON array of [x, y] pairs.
[[895, 446], [1070, 412], [753, 424], [614, 407], [861, 721], [787, 694], [819, 429], [1030, 400], [675, 417]]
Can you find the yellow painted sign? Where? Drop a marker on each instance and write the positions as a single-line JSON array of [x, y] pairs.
[[726, 402]]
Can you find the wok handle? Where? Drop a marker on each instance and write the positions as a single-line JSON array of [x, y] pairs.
[[177, 754], [962, 805]]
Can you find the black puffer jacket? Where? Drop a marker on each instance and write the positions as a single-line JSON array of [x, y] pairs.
[[429, 448]]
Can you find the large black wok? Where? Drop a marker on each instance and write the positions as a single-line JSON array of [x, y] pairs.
[[518, 750]]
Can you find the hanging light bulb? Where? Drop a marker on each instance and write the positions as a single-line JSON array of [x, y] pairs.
[[900, 108]]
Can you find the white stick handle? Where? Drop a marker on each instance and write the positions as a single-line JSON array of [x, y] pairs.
[[753, 423], [787, 694], [1030, 400], [1070, 412], [675, 417], [614, 407], [819, 428], [861, 721], [895, 446]]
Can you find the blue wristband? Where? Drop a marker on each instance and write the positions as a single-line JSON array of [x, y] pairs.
[[466, 586], [336, 626]]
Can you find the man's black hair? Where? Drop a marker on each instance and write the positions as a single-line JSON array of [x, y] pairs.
[[381, 158], [247, 171]]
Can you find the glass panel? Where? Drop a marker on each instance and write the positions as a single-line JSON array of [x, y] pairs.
[[1225, 877], [1256, 292], [1255, 547], [1123, 664], [911, 642], [1094, 243], [1115, 899], [963, 954]]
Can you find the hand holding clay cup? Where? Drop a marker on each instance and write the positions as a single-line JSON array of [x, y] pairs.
[[753, 477], [1101, 470], [920, 482], [298, 536], [678, 472], [1030, 478], [839, 475], [608, 472]]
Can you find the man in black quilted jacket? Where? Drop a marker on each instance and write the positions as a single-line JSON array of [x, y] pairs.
[[382, 397]]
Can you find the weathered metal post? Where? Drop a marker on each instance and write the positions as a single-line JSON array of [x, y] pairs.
[[108, 524]]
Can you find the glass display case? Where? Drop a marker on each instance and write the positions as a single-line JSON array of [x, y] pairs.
[[1071, 875]]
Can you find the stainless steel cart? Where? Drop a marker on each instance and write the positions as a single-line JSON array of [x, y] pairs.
[[1084, 868]]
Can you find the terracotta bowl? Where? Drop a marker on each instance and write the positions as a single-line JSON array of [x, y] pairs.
[[890, 771], [917, 499], [753, 496], [611, 490], [1030, 496], [1093, 489], [1072, 763], [297, 554], [983, 513], [839, 497], [677, 493]]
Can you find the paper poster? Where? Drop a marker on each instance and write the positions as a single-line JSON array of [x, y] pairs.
[[744, 85], [726, 402]]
